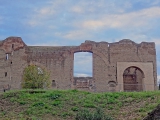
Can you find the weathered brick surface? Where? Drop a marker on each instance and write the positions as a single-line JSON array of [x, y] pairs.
[[15, 55]]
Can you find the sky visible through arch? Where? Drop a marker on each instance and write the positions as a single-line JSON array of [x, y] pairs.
[[71, 22], [83, 64]]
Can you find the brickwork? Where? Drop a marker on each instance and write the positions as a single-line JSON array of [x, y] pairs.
[[133, 77], [15, 55]]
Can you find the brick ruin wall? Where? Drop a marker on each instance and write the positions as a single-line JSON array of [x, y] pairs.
[[15, 55]]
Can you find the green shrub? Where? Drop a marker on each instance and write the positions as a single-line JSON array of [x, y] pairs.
[[35, 78], [65, 114], [89, 105], [90, 115], [53, 96], [74, 108], [38, 104], [84, 115], [56, 103]]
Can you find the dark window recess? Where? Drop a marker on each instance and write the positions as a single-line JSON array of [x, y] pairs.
[[12, 46], [11, 62], [5, 74], [53, 83]]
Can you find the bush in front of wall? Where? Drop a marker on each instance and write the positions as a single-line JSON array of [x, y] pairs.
[[35, 77], [85, 114]]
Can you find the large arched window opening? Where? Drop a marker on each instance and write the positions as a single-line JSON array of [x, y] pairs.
[[83, 69], [133, 79], [83, 64]]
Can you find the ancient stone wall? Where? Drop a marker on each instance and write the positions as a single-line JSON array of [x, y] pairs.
[[12, 62], [15, 55]]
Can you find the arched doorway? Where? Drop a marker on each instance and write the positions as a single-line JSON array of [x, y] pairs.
[[133, 79]]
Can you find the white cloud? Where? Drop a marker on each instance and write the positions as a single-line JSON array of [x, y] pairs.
[[46, 11], [155, 2], [135, 36], [77, 34], [40, 16], [81, 75], [55, 3], [77, 9], [100, 7], [157, 41], [45, 44], [83, 59], [133, 19], [138, 38], [33, 22], [82, 63]]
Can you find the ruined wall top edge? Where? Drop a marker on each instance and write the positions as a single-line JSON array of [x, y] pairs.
[[12, 44], [18, 42]]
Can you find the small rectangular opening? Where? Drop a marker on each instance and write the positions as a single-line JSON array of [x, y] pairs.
[[53, 83], [5, 74], [7, 56], [12, 46]]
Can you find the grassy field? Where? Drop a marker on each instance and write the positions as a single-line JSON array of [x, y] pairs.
[[60, 105]]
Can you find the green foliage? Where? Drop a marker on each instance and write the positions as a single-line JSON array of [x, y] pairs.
[[54, 113], [38, 104], [56, 103], [110, 107], [90, 115], [53, 96], [89, 105], [74, 108], [35, 78], [3, 113], [65, 114], [68, 104]]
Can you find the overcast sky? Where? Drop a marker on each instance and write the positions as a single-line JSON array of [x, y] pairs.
[[71, 22]]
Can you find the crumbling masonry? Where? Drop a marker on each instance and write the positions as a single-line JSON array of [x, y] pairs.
[[119, 66]]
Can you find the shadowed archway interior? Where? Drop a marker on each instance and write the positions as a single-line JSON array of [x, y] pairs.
[[133, 79]]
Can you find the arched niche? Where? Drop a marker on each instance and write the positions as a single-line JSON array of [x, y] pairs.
[[133, 79], [148, 81]]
